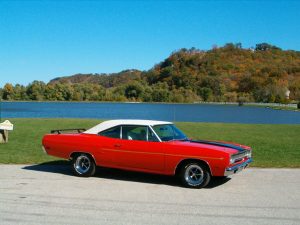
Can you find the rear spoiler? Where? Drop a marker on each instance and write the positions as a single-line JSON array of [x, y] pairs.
[[79, 130]]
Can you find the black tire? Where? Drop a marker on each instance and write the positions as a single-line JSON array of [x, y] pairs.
[[83, 165], [194, 175]]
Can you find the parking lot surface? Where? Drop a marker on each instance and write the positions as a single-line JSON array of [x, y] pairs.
[[50, 194]]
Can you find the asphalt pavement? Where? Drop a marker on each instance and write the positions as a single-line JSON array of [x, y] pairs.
[[50, 194]]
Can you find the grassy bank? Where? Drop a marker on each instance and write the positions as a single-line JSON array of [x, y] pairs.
[[273, 145]]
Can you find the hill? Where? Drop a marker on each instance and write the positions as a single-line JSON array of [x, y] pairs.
[[105, 80], [229, 73]]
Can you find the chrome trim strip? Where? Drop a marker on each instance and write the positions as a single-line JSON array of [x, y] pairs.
[[121, 132], [147, 133], [237, 168]]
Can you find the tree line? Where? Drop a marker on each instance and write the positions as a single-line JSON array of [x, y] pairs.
[[229, 73]]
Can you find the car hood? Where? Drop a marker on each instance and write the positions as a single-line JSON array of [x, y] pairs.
[[228, 147]]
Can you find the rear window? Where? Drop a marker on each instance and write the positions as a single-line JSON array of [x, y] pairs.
[[112, 132]]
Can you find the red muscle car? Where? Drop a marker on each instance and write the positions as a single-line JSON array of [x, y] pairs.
[[147, 146]]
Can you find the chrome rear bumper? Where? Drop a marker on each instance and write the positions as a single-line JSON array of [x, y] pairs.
[[237, 168]]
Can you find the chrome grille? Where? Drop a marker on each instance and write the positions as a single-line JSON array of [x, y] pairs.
[[239, 156]]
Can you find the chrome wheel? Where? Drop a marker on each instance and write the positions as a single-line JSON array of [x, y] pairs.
[[194, 175], [82, 164]]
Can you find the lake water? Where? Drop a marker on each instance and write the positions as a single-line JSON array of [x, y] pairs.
[[169, 112]]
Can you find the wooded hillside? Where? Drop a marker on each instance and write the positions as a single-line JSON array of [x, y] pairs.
[[229, 73]]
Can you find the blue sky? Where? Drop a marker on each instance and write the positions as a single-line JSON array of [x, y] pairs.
[[41, 40]]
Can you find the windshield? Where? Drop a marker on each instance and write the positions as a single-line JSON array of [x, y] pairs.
[[169, 132]]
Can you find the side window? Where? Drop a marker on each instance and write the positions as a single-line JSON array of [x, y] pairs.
[[165, 133], [138, 133], [112, 132], [131, 132]]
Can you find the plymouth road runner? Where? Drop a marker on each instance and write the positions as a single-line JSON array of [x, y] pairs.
[[147, 146]]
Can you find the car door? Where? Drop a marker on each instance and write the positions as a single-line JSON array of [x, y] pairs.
[[139, 148], [108, 141]]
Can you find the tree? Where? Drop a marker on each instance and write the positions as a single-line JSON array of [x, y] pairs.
[[244, 97], [36, 90], [266, 47], [160, 92], [214, 84], [8, 92], [134, 91], [230, 97], [20, 92], [205, 93], [146, 96]]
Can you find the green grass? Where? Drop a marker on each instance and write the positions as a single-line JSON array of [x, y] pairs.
[[289, 108], [273, 145], [24, 145], [284, 108]]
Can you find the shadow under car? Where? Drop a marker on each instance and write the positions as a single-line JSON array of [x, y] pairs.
[[64, 167]]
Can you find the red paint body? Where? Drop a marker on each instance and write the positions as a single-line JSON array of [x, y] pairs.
[[144, 156]]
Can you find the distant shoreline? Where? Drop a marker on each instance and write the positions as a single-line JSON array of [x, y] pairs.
[[200, 102], [276, 106]]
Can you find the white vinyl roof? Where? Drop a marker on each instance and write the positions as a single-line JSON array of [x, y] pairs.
[[112, 123]]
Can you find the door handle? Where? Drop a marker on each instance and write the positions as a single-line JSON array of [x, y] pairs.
[[117, 145]]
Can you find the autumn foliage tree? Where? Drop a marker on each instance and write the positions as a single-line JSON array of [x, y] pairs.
[[230, 73]]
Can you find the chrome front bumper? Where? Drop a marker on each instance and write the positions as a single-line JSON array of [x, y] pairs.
[[237, 168]]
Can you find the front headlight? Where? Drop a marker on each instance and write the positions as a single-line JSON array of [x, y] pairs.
[[231, 160]]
